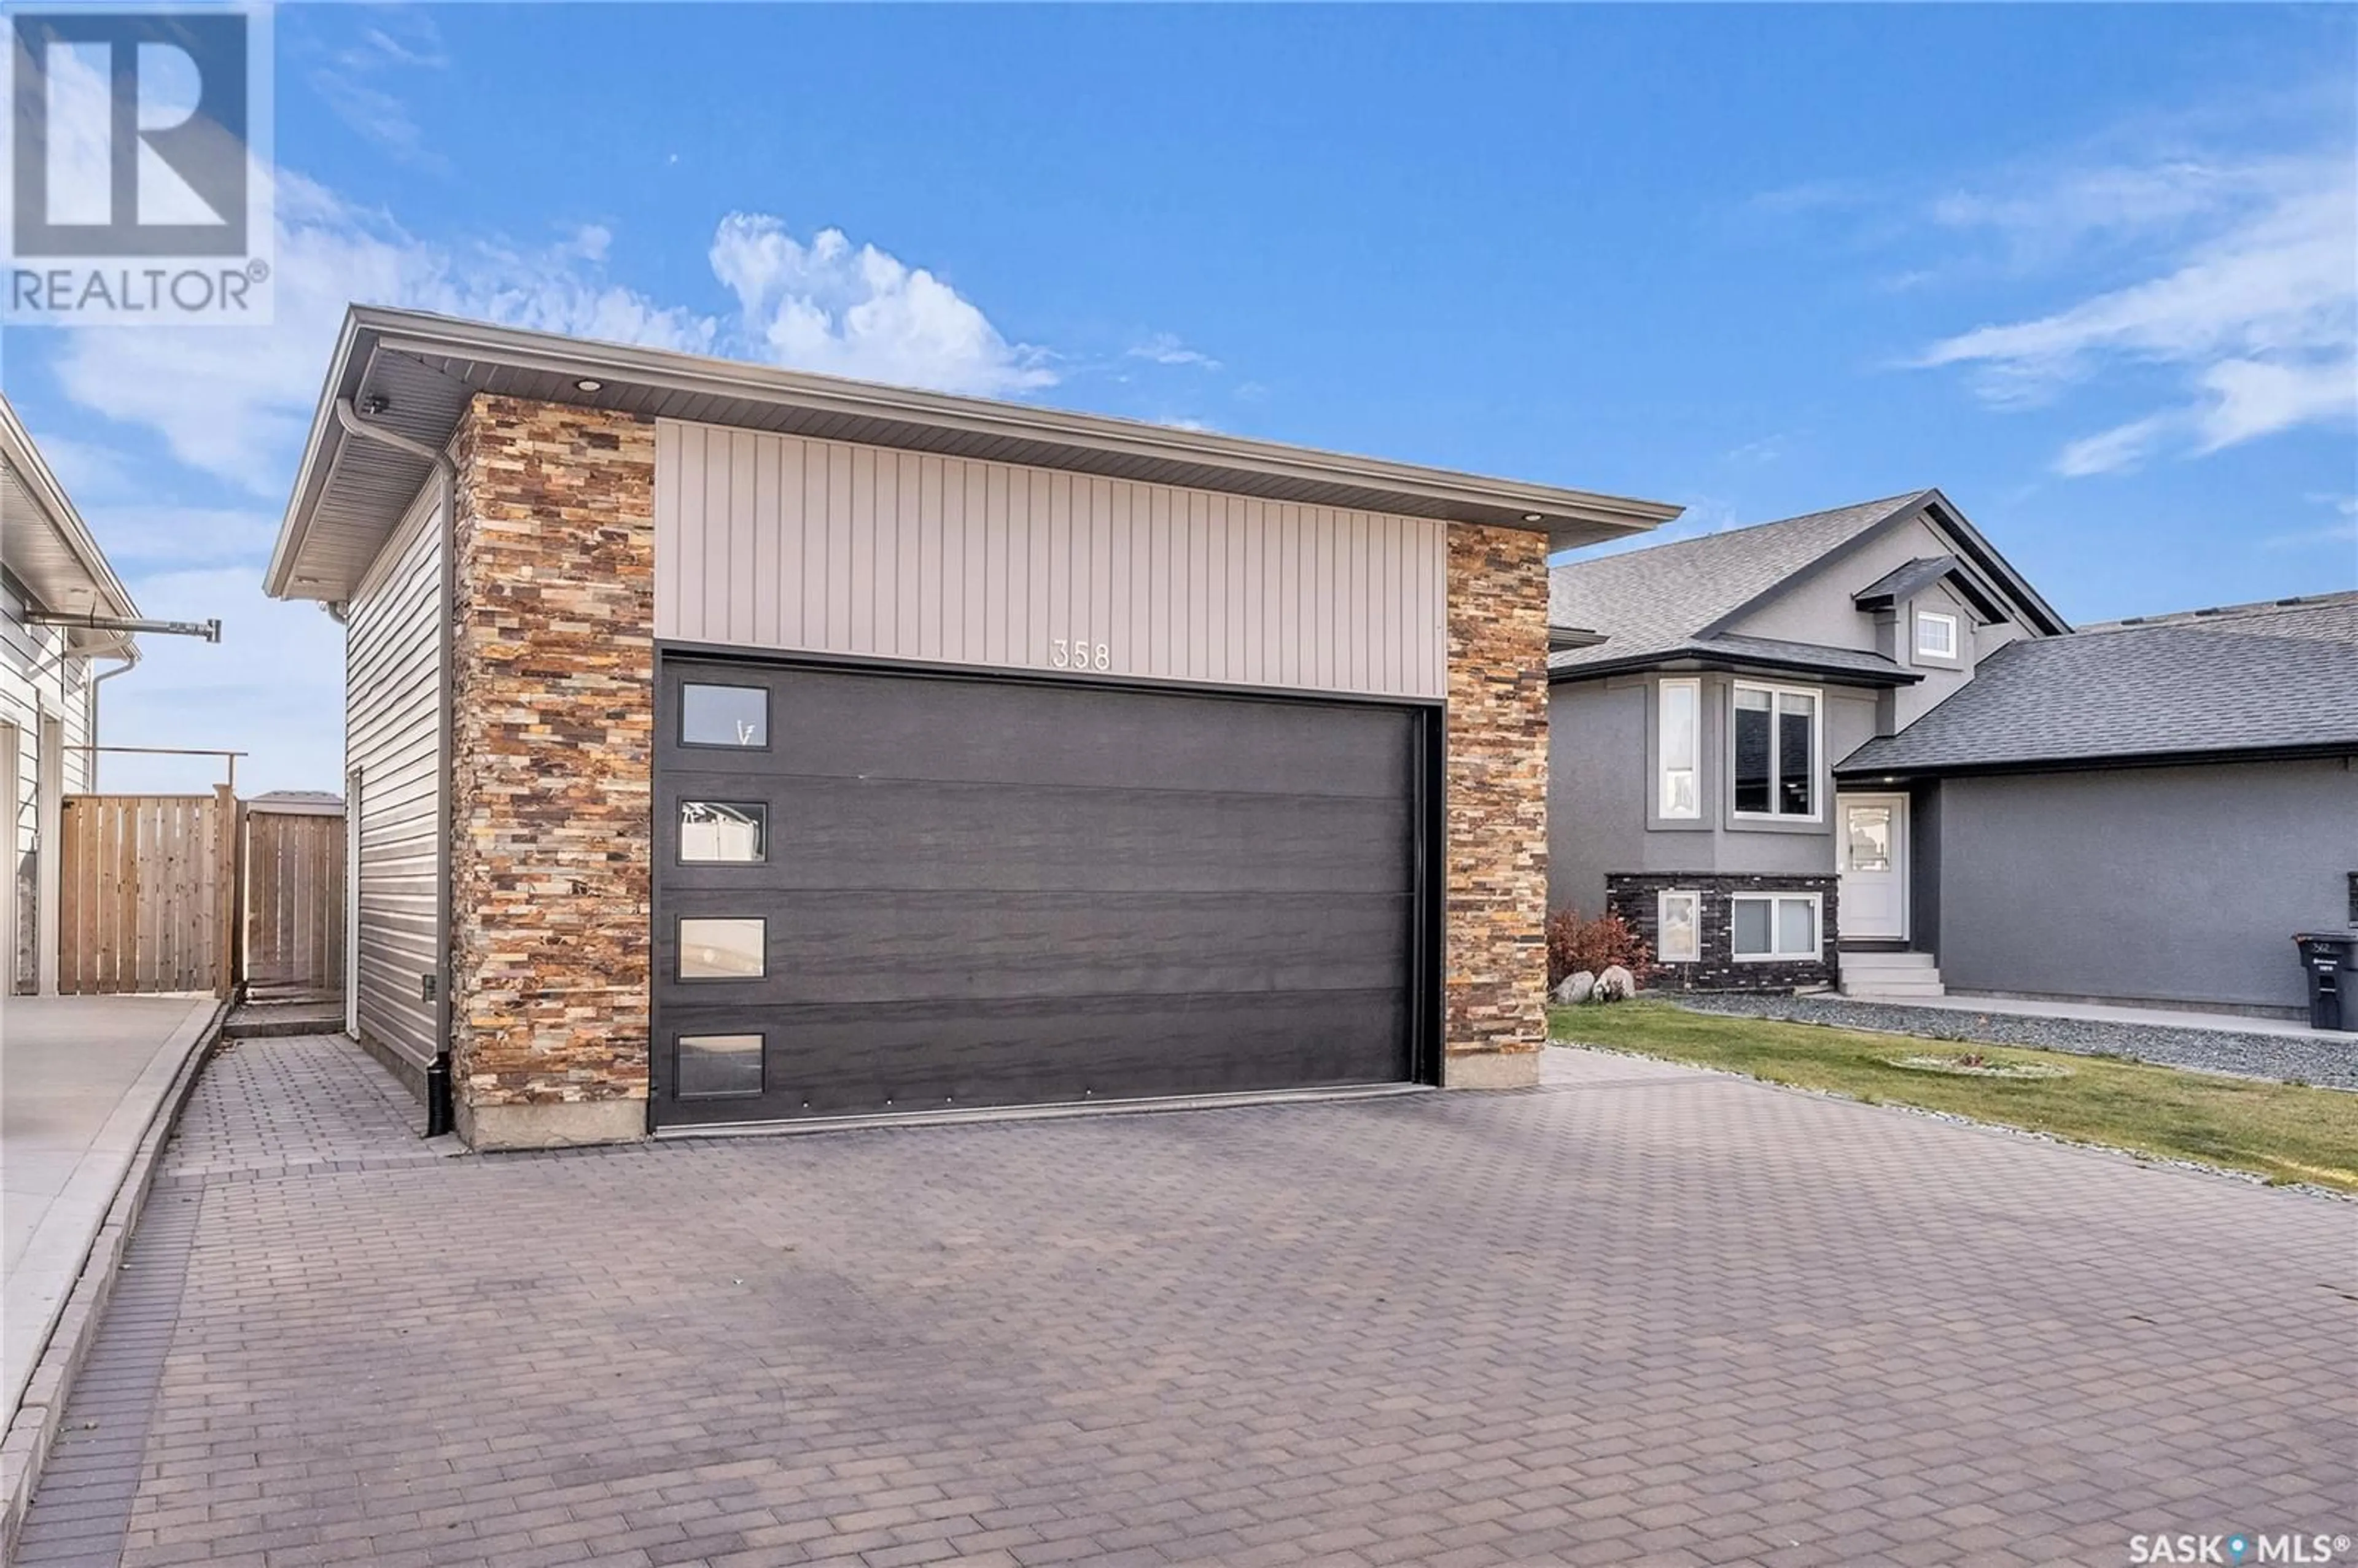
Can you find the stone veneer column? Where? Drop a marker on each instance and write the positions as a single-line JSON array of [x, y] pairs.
[[552, 866], [1495, 801]]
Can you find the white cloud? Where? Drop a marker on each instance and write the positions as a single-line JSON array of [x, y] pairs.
[[2256, 308], [1165, 349], [234, 405], [349, 81], [860, 311], [234, 402]]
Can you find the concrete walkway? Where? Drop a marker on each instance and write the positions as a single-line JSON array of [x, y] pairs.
[[2143, 1017], [80, 1080]]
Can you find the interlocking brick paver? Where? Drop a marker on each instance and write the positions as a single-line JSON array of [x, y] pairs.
[[1642, 1314]]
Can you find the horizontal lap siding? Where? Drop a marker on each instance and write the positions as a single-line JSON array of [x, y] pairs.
[[392, 737], [779, 542]]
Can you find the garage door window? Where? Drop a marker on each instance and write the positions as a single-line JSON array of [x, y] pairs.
[[722, 949], [718, 1066], [722, 832], [735, 716]]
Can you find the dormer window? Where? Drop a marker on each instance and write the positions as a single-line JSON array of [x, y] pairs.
[[1936, 635]]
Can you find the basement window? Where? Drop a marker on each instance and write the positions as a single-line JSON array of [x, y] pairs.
[[717, 1066], [1767, 926], [722, 832], [736, 716], [723, 949], [1678, 926]]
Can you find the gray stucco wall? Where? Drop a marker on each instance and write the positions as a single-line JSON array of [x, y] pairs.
[[1601, 791], [1597, 788], [2168, 885]]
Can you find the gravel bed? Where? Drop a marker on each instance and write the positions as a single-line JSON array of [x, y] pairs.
[[2286, 1058]]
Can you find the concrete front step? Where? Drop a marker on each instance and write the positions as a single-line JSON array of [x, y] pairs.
[[1868, 973], [1879, 959]]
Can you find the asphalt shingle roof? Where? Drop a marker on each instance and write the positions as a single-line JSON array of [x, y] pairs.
[[2261, 677], [1660, 599]]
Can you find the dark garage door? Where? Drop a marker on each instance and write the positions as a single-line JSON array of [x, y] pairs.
[[879, 892]]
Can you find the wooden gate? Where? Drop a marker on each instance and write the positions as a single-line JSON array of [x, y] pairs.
[[294, 874], [148, 894]]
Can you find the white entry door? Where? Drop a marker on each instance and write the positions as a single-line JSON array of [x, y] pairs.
[[1874, 849]]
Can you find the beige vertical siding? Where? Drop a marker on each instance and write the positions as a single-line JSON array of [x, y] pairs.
[[781, 542], [392, 684]]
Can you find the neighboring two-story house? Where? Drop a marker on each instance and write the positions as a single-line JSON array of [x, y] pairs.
[[1822, 750]]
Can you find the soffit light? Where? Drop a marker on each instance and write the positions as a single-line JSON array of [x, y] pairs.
[[589, 384]]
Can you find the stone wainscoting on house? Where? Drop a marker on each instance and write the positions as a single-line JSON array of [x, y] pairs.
[[1631, 896]]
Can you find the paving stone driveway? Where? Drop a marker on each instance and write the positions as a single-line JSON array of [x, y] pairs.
[[1644, 1315]]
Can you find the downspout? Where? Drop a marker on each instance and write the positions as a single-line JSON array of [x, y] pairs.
[[438, 1118], [130, 658]]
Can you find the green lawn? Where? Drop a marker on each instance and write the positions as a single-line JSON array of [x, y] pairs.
[[2286, 1132]]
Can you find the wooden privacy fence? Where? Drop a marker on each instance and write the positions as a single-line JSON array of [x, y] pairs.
[[294, 876], [181, 892], [148, 889]]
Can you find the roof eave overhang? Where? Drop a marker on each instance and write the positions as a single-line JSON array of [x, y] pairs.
[[1909, 772], [1684, 662], [1079, 442], [61, 568]]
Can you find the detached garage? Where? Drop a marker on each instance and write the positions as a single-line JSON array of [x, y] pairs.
[[730, 745]]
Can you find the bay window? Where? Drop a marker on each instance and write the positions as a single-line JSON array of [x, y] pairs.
[[1776, 767]]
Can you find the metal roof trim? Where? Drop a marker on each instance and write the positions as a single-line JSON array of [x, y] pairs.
[[369, 331]]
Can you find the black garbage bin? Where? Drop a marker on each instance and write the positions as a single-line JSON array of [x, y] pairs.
[[2330, 959]]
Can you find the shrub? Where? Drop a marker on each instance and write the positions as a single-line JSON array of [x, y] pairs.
[[1574, 944]]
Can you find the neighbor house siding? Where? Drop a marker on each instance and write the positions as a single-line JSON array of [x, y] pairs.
[[781, 542], [2180, 884], [38, 680], [392, 737]]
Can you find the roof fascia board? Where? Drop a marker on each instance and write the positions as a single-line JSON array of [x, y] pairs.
[[312, 470], [1855, 772], [369, 331], [1683, 661], [1985, 556], [673, 371], [57, 507]]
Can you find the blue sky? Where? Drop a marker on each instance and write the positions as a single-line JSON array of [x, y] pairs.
[[2093, 271]]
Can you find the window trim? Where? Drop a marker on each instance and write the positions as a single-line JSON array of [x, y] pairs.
[[680, 730], [679, 855], [679, 952], [1661, 922], [1956, 635], [1817, 902], [1692, 686], [1818, 780]]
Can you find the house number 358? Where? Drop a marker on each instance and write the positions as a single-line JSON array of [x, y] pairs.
[[1068, 653]]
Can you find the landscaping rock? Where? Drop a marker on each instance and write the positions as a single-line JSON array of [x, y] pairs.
[[1616, 984], [1575, 988]]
